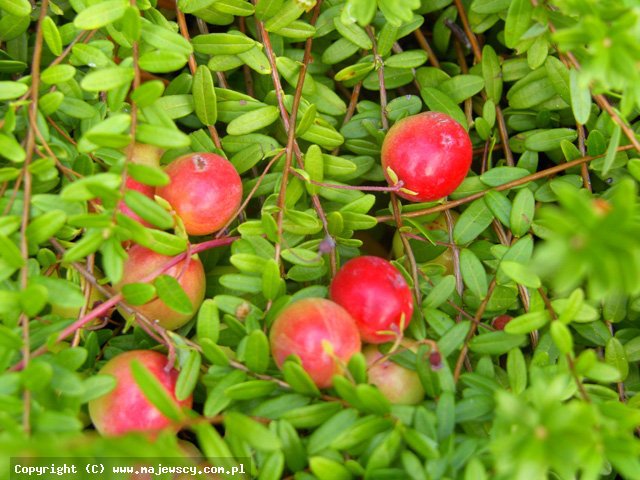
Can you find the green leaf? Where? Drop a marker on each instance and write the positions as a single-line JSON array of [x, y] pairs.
[[148, 175], [559, 77], [306, 120], [562, 337], [235, 7], [51, 35], [272, 284], [254, 120], [441, 292], [241, 282], [163, 137], [76, 108], [461, 87], [147, 93], [372, 399], [155, 392], [33, 299], [107, 79], [273, 466], [612, 150], [89, 244], [19, 8], [192, 6], [473, 221], [45, 226], [130, 25], [527, 323], [211, 443], [213, 353], [138, 293], [267, 8], [163, 38], [355, 71], [252, 432], [354, 33], [522, 212], [99, 15], [545, 140], [401, 107], [113, 257], [299, 379], [97, 386], [189, 374], [517, 21], [289, 12], [250, 389], [492, 74], [58, 74], [208, 323], [256, 355], [453, 339], [517, 371], [204, 96], [499, 205], [440, 102], [222, 43], [11, 149], [162, 61], [314, 166], [615, 355], [162, 242], [521, 274], [326, 469], [531, 90], [407, 59], [501, 175], [473, 273], [580, 98], [148, 209], [362, 430], [176, 106], [570, 309], [314, 415], [11, 90], [9, 338], [172, 293], [496, 343]]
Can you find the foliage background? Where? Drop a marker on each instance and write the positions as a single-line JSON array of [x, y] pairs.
[[298, 95]]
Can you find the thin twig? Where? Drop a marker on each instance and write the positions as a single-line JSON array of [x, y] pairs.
[[472, 331], [26, 174]]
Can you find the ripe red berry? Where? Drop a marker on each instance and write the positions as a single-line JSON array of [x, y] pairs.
[[205, 191], [430, 153], [399, 384], [320, 332], [125, 408], [501, 321], [142, 262], [376, 295]]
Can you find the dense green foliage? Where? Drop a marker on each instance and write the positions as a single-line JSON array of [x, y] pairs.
[[548, 228]]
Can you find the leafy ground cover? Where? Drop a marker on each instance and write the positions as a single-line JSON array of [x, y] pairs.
[[525, 280]]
